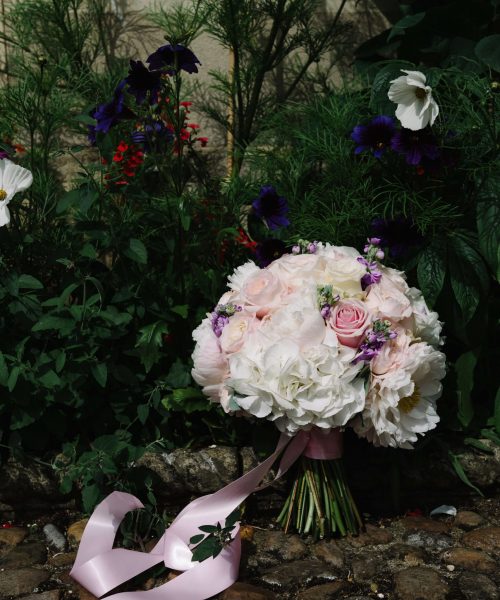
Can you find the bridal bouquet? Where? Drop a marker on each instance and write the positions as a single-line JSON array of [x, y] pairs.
[[321, 339]]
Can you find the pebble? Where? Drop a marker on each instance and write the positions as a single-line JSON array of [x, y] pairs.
[[411, 555], [364, 569], [274, 547], [326, 591], [15, 582], [370, 537], [475, 586], [420, 583], [75, 532], [62, 559], [49, 595], [486, 538], [301, 573], [245, 591], [25, 555], [466, 519], [11, 537], [475, 560], [433, 541], [424, 524], [329, 552], [54, 537]]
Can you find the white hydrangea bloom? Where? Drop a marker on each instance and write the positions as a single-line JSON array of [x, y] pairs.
[[416, 106]]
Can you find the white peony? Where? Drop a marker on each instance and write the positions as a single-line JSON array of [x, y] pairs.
[[424, 322], [241, 274], [13, 179], [416, 106], [401, 401], [210, 364]]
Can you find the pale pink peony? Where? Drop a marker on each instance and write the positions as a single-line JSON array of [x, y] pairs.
[[387, 299], [350, 319], [393, 353], [262, 292], [210, 364], [235, 333]]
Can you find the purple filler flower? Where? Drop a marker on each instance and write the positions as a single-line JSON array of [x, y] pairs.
[[269, 250], [111, 113], [415, 145], [372, 275], [398, 235], [141, 81], [271, 207], [179, 57], [376, 136]]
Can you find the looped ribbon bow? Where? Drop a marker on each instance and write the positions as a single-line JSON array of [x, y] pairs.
[[100, 568]]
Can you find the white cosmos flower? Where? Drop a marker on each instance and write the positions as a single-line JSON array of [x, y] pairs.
[[401, 401], [13, 179], [416, 106]]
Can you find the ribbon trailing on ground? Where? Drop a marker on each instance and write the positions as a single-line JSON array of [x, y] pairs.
[[100, 568]]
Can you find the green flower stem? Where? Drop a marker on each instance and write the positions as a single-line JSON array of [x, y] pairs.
[[320, 503]]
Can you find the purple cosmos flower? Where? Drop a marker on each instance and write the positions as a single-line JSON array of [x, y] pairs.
[[179, 57], [376, 136], [141, 81], [415, 145], [269, 250], [113, 112], [398, 235], [271, 207]]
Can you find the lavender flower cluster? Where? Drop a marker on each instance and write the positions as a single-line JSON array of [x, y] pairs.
[[220, 316], [375, 338]]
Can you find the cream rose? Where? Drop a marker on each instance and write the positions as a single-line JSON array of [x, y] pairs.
[[235, 332], [262, 292], [387, 299]]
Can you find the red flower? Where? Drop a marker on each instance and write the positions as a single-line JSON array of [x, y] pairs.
[[243, 239], [203, 140], [122, 147], [193, 126], [186, 104]]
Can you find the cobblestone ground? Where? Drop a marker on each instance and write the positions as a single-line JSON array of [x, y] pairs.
[[401, 558]]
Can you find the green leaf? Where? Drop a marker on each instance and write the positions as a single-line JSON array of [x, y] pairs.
[[488, 51], [405, 23], [491, 435], [478, 444], [137, 251], [464, 368], [88, 251], [4, 371], [208, 528], [50, 379], [12, 380], [100, 373], [81, 199], [488, 224], [109, 444], [27, 282], [459, 470], [61, 324], [60, 361], [469, 278], [196, 538], [431, 271], [90, 497], [181, 310], [86, 119], [179, 375], [143, 412], [149, 341], [206, 549]]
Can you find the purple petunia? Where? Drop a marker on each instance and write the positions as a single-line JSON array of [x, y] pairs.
[[375, 136], [415, 145], [269, 250], [152, 134], [111, 113], [141, 81], [178, 58], [271, 207], [398, 235]]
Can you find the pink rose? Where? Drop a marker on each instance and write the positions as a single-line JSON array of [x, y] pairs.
[[349, 320], [262, 292]]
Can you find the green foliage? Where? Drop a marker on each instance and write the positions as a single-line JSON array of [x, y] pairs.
[[216, 538]]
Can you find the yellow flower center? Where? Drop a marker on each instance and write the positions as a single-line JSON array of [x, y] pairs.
[[3, 194], [408, 404], [420, 93]]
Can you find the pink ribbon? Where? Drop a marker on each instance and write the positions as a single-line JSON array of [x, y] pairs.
[[100, 568]]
